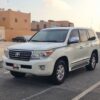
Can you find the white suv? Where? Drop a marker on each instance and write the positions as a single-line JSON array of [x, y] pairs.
[[54, 52]]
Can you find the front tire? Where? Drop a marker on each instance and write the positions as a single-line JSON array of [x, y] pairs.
[[92, 63], [17, 74], [59, 73]]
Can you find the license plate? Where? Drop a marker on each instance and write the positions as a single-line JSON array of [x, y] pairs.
[[15, 66]]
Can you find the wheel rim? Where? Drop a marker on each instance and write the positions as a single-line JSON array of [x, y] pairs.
[[60, 72], [93, 62]]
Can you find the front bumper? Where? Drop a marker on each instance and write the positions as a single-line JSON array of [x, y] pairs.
[[35, 66]]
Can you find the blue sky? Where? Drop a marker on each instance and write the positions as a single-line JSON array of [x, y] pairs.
[[84, 13]]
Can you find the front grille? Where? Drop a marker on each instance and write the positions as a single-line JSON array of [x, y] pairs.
[[20, 55]]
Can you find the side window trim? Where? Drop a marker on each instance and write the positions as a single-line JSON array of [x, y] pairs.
[[88, 36], [79, 36]]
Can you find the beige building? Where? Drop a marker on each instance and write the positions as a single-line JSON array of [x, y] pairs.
[[16, 23], [36, 26]]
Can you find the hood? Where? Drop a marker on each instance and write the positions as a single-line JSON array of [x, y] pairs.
[[36, 46]]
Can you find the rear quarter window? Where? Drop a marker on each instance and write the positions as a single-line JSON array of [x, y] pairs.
[[91, 33]]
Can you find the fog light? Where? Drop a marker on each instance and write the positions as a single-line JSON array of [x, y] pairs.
[[42, 67]]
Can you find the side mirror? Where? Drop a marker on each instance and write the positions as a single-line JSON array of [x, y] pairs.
[[73, 40], [92, 38]]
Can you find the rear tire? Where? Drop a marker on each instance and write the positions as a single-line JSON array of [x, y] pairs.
[[59, 73], [92, 63], [17, 74]]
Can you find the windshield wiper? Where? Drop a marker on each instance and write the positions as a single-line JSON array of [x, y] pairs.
[[36, 41], [44, 41], [51, 41]]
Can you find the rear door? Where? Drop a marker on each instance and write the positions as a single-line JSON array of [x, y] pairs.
[[74, 49]]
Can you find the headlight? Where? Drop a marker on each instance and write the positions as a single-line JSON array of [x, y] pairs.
[[6, 52], [41, 54]]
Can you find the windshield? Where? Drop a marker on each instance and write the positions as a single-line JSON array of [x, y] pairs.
[[50, 36]]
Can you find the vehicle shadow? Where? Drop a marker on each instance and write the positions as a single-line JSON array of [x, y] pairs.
[[28, 81], [39, 81], [77, 72]]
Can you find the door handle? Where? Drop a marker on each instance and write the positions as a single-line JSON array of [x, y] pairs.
[[81, 47], [87, 44]]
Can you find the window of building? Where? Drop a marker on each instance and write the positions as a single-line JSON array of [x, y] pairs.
[[11, 28], [45, 26], [16, 20], [69, 25], [38, 28], [25, 20], [61, 25], [4, 18]]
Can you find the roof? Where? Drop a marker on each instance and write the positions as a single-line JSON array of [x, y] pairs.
[[65, 28]]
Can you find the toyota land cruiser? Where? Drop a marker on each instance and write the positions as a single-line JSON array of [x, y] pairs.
[[53, 52]]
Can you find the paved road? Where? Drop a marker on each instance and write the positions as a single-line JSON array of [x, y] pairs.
[[40, 88]]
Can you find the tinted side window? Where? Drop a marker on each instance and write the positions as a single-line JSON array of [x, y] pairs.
[[91, 33], [83, 35], [74, 35]]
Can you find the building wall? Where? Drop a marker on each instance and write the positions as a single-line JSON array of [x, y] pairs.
[[4, 19], [11, 33], [20, 20], [16, 23], [43, 24]]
